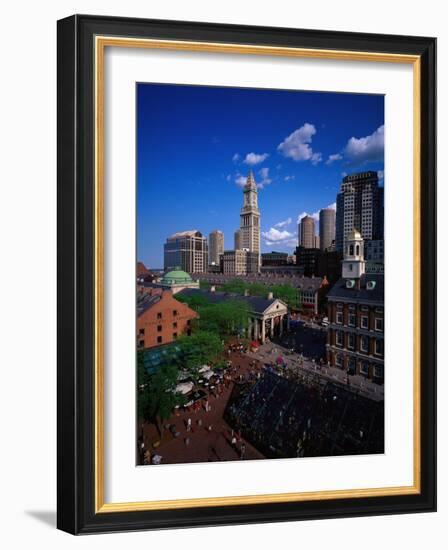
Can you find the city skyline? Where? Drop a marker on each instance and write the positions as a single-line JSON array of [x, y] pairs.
[[310, 141]]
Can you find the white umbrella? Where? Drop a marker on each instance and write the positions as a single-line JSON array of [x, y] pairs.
[[184, 388], [208, 374], [204, 368]]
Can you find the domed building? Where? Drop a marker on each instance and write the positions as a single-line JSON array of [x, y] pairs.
[[177, 280]]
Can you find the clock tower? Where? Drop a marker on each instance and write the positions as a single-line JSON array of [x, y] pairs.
[[250, 218]]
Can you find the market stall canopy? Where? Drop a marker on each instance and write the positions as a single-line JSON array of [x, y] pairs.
[[184, 388]]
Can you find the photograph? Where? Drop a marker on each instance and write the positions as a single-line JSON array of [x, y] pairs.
[[259, 322]]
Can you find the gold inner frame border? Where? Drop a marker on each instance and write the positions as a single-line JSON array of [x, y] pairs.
[[101, 42]]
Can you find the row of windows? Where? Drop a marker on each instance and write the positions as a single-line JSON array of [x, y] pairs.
[[378, 370], [159, 340], [364, 321], [364, 342], [175, 313], [159, 328]]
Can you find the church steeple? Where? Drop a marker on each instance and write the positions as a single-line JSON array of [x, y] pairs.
[[353, 265]]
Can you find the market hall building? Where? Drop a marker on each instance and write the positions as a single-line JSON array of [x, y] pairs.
[[268, 317]]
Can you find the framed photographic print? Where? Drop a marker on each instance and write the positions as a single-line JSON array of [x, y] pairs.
[[246, 274]]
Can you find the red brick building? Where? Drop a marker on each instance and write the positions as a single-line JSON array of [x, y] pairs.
[[355, 340], [161, 319]]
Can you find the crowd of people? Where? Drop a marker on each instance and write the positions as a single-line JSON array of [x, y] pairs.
[[198, 416], [288, 415]]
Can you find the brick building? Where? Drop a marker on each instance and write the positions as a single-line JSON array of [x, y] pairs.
[[356, 316], [161, 319]]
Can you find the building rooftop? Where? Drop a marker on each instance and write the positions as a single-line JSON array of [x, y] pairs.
[[376, 294], [145, 301], [189, 233], [295, 280], [257, 304], [176, 277]]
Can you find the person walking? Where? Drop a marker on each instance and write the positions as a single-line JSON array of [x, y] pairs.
[[242, 451]]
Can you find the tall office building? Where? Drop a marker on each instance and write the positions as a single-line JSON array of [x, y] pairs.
[[250, 218], [186, 250], [240, 262], [215, 246], [237, 240], [327, 228], [360, 205], [307, 232]]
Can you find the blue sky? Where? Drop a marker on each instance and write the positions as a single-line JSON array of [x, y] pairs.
[[196, 145]]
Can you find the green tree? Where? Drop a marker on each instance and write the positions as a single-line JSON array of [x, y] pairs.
[[156, 397], [201, 348], [289, 294], [194, 301], [225, 318], [235, 286]]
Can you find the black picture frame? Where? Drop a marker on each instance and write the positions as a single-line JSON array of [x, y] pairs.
[[76, 254]]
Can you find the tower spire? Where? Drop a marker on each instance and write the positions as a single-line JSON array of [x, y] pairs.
[[250, 183]]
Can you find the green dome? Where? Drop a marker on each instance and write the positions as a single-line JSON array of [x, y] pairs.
[[176, 277]]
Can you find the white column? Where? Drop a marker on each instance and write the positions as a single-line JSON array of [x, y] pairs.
[[263, 331], [281, 325]]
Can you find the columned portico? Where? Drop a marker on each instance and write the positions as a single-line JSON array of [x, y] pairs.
[[270, 322]]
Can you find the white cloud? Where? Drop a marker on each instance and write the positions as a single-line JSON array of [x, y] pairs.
[[316, 158], [284, 223], [265, 179], [277, 238], [289, 178], [264, 173], [276, 235], [366, 149], [334, 158], [236, 157], [229, 177], [240, 180], [253, 158], [297, 145], [381, 175]]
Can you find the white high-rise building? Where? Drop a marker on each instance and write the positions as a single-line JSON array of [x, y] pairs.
[[360, 206], [250, 218]]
